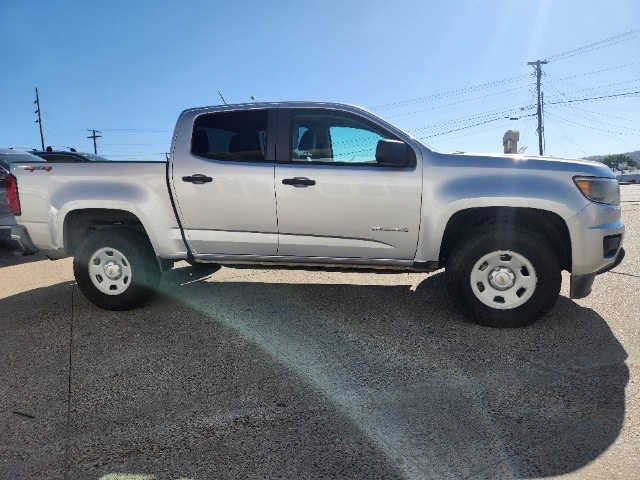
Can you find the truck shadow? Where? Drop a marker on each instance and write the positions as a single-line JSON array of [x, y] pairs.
[[441, 395], [10, 252], [265, 375]]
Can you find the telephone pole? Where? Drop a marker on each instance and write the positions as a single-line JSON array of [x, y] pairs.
[[39, 120], [94, 136], [537, 65]]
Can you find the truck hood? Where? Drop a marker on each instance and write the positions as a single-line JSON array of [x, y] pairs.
[[519, 157], [527, 162]]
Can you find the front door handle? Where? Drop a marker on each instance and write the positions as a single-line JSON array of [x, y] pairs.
[[197, 178], [298, 181]]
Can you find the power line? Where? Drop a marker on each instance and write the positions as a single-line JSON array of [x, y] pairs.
[[451, 93], [583, 114], [626, 94], [537, 65], [131, 144], [598, 71], [623, 37], [540, 95], [498, 113], [618, 137], [571, 103], [605, 115], [592, 127], [598, 89], [474, 88], [463, 128], [566, 135], [145, 130], [573, 106], [501, 126], [461, 102]]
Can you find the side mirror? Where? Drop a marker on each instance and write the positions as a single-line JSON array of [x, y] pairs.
[[393, 153]]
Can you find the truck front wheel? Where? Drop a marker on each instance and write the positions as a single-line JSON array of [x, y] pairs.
[[116, 268], [504, 277]]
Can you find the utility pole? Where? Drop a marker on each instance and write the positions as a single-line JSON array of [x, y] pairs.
[[537, 65], [39, 121], [94, 136], [544, 137]]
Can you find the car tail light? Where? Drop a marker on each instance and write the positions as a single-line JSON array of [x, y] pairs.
[[13, 199]]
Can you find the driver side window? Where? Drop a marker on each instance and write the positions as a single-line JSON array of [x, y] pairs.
[[330, 137]]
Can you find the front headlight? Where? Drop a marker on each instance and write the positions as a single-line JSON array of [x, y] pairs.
[[598, 189]]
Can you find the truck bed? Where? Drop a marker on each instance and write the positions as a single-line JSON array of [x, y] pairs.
[[138, 189]]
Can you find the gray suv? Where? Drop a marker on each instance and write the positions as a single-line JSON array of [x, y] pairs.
[[71, 155], [7, 157]]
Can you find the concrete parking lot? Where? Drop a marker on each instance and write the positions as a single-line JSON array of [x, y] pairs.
[[285, 374]]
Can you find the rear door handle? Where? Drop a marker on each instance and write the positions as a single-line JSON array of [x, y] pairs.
[[197, 178], [298, 181]]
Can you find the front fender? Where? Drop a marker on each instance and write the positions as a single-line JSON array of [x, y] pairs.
[[538, 190]]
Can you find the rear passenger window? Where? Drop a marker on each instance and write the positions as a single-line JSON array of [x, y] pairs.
[[231, 135]]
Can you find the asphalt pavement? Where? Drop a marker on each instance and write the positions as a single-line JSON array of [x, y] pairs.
[[285, 374]]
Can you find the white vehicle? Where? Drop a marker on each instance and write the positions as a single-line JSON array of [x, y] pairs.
[[319, 184]]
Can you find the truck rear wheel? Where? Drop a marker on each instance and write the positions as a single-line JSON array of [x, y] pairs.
[[116, 268], [504, 277]]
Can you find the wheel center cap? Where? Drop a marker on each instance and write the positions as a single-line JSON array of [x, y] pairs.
[[113, 270], [502, 278]]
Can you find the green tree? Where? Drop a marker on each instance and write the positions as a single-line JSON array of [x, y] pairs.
[[612, 161]]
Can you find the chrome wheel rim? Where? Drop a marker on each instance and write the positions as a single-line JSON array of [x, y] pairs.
[[503, 280]]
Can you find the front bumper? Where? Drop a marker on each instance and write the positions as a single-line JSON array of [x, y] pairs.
[[580, 285], [597, 234]]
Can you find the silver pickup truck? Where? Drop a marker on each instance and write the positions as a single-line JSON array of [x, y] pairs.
[[315, 185]]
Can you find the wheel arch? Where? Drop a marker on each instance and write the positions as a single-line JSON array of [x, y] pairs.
[[548, 225], [80, 223]]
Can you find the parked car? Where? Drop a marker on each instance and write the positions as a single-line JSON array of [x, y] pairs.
[[7, 157], [10, 155], [71, 155]]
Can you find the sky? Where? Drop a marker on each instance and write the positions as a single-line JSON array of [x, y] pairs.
[[452, 73]]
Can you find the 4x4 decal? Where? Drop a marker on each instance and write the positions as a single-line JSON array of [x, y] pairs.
[[33, 168]]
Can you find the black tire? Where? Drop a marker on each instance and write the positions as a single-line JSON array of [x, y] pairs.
[[116, 268], [504, 277]]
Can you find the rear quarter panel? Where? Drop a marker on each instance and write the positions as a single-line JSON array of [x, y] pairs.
[[50, 193]]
